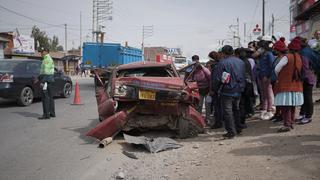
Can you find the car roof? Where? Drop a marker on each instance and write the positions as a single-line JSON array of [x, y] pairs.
[[19, 60], [143, 64]]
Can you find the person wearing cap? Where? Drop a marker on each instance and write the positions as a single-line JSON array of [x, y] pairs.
[[201, 75], [265, 61], [46, 78], [288, 87], [229, 83]]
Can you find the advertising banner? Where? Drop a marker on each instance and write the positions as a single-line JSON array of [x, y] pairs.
[[23, 44]]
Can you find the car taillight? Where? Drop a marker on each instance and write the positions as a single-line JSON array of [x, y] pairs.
[[6, 78]]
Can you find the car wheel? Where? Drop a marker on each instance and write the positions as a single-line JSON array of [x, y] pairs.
[[67, 90], [186, 129], [26, 96]]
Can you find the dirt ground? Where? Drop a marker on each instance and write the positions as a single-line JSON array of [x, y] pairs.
[[260, 153]]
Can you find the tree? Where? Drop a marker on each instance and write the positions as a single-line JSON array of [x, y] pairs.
[[54, 43], [60, 48], [42, 40]]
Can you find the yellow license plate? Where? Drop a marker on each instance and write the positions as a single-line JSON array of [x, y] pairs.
[[147, 95]]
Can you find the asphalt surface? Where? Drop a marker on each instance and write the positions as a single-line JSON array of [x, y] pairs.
[[57, 149], [50, 149]]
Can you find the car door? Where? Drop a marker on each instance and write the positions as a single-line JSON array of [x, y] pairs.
[[32, 71], [58, 83]]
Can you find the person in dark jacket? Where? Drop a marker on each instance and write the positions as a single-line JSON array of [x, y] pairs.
[[309, 80], [216, 103], [229, 83], [245, 100]]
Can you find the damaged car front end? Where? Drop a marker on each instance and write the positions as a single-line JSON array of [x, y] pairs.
[[146, 95]]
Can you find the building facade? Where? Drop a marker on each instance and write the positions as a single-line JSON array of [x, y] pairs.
[[3, 43], [304, 17]]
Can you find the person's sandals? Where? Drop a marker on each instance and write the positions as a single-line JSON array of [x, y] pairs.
[[284, 129]]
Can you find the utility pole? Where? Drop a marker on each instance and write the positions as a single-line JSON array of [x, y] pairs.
[[80, 34], [142, 44], [147, 31], [272, 25], [235, 30], [263, 14], [102, 12], [93, 18], [234, 39], [238, 32], [65, 39], [244, 33]]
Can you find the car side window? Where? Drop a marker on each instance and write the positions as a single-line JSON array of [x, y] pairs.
[[33, 68]]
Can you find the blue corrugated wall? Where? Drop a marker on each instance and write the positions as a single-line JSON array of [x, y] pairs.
[[105, 54]]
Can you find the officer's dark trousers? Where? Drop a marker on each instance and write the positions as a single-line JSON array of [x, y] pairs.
[[231, 113], [48, 102]]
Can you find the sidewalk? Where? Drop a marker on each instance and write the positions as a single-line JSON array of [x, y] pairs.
[[79, 77]]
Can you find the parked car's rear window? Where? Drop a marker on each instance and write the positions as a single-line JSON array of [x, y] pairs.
[[8, 66]]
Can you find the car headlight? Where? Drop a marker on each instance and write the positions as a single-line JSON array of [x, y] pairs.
[[120, 90]]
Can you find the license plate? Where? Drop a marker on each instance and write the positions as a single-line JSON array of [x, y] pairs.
[[147, 95]]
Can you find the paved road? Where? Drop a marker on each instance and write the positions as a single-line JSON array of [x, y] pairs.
[[57, 149], [49, 149]]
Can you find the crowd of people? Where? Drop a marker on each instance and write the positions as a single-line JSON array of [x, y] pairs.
[[270, 76]]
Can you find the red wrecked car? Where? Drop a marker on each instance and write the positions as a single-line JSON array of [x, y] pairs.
[[146, 95]]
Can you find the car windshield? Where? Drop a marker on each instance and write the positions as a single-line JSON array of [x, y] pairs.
[[8, 66], [146, 72]]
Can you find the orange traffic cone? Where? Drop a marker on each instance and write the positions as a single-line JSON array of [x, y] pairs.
[[76, 100]]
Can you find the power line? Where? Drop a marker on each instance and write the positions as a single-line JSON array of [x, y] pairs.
[[27, 17]]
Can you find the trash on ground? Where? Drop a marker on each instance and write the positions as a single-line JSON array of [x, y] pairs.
[[120, 175], [154, 145], [104, 142], [129, 154]]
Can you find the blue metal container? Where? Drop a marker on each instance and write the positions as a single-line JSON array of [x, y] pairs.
[[101, 55]]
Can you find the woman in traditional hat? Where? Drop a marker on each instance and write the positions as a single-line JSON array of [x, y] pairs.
[[288, 87], [279, 50]]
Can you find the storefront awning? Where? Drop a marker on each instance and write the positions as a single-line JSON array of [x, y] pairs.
[[313, 10]]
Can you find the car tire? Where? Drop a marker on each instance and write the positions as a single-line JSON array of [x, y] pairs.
[[26, 96], [186, 129], [67, 90]]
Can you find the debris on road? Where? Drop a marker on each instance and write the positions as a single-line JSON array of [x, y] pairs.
[[120, 175], [103, 143], [196, 146], [154, 145], [129, 154]]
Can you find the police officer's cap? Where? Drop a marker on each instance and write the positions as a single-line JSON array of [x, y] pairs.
[[42, 49]]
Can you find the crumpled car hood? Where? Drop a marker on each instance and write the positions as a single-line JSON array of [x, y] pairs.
[[175, 83]]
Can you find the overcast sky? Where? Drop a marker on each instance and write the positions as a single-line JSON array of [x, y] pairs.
[[196, 26]]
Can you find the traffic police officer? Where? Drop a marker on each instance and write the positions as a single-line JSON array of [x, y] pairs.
[[46, 79]]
